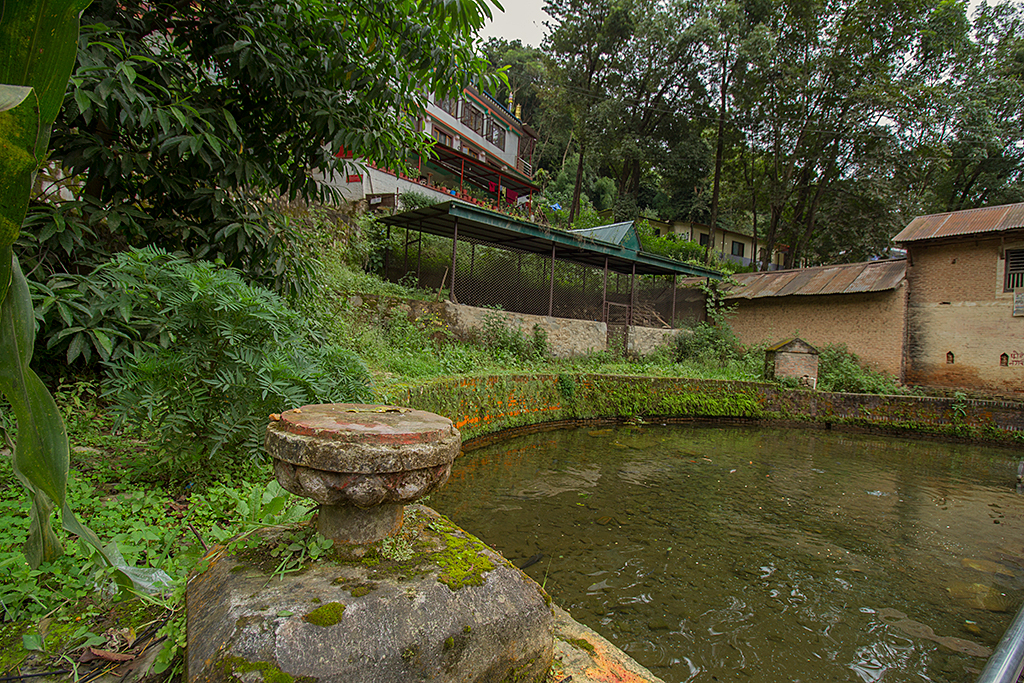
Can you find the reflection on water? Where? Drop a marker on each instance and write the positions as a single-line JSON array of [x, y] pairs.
[[733, 554]]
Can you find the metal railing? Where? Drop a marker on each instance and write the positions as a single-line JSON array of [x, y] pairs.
[[1006, 663]]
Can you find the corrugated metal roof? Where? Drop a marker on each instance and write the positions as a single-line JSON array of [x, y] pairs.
[[851, 278], [619, 234], [967, 222]]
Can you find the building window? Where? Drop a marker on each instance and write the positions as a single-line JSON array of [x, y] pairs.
[[1004, 360], [737, 248], [496, 135], [703, 239], [473, 117], [451, 106], [1014, 270], [443, 137], [949, 357]]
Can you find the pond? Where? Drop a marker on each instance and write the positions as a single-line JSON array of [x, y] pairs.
[[722, 553]]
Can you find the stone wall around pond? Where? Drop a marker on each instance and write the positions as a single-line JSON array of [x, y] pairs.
[[566, 337], [482, 406]]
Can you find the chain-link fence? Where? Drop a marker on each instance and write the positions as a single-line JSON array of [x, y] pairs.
[[501, 276]]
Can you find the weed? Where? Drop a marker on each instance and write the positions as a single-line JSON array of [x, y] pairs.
[[396, 549], [840, 370]]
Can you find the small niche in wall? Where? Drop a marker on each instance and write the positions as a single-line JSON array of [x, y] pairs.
[[1004, 360], [949, 357]]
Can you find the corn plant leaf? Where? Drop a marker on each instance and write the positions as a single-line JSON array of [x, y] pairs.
[[19, 130], [39, 43], [12, 95], [41, 457]]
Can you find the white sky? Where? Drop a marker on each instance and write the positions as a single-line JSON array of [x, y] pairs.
[[522, 19]]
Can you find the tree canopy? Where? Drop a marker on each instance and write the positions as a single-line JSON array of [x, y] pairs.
[[819, 126], [183, 118]]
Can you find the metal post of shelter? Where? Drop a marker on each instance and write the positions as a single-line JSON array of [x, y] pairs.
[[387, 255], [419, 256], [672, 320], [455, 245], [632, 295], [551, 293], [604, 294]]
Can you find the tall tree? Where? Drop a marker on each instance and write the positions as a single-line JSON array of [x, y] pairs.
[[737, 35], [820, 84], [583, 36], [654, 91], [527, 74]]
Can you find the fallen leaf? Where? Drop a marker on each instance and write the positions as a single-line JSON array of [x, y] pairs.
[[106, 655]]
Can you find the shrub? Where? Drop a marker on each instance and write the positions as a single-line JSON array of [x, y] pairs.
[[412, 200], [507, 342], [214, 356], [840, 370], [704, 343]]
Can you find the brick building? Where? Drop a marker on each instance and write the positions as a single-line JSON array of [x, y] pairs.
[[965, 269], [862, 305]]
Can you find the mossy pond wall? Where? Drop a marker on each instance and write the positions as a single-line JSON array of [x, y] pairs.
[[481, 406]]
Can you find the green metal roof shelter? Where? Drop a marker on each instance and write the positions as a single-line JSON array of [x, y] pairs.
[[618, 243], [610, 249]]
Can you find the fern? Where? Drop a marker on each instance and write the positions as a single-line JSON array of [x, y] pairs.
[[212, 356]]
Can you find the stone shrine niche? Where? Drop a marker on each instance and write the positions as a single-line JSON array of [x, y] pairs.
[[792, 358]]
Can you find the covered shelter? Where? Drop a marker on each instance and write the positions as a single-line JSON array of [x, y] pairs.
[[495, 260]]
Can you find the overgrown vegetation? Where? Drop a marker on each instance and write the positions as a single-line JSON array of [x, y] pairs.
[[839, 369], [179, 300], [189, 359]]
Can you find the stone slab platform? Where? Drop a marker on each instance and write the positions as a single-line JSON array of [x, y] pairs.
[[432, 603]]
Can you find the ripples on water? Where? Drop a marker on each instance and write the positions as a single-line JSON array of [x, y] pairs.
[[734, 554]]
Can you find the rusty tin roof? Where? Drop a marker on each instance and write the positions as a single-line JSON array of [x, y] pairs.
[[850, 278], [967, 222]]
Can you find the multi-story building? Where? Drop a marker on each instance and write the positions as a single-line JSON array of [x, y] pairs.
[[483, 153]]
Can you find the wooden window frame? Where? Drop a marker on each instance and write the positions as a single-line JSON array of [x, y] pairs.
[[1013, 277]]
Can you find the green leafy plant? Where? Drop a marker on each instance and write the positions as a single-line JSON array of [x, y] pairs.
[[227, 355], [703, 342], [396, 548], [506, 340], [839, 369], [299, 546], [37, 38]]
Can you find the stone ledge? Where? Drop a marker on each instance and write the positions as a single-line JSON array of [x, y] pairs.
[[583, 656]]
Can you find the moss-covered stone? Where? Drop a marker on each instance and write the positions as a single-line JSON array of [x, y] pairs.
[[326, 615], [11, 652], [582, 644], [233, 666], [463, 562]]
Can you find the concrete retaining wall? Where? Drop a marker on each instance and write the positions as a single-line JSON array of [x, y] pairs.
[[566, 337], [641, 341]]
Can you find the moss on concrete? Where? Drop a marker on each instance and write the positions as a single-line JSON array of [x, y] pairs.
[[481, 406], [325, 615]]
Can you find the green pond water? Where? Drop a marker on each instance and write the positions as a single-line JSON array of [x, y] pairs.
[[713, 553]]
